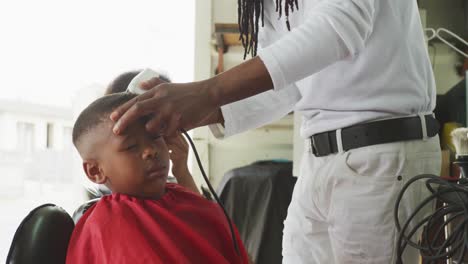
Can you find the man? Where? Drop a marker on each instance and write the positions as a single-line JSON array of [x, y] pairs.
[[359, 73]]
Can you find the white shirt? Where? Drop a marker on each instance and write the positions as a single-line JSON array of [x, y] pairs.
[[343, 62]]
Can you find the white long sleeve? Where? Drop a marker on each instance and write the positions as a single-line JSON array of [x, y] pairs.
[[258, 110], [332, 31], [264, 108]]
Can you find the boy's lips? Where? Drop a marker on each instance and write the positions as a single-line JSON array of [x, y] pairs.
[[157, 172]]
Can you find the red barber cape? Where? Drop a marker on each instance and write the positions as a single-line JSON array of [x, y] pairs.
[[181, 227]]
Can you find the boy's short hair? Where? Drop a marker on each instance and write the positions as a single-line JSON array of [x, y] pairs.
[[98, 112], [120, 84]]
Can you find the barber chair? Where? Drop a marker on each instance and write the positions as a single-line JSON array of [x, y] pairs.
[[256, 197], [82, 209], [43, 236]]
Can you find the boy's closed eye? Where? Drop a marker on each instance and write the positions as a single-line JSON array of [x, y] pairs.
[[130, 147]]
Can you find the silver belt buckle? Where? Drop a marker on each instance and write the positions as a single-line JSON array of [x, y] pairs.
[[313, 149]]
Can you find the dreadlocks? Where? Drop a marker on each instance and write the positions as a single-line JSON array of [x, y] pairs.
[[250, 10]]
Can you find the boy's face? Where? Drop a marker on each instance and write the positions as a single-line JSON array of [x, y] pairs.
[[134, 163]]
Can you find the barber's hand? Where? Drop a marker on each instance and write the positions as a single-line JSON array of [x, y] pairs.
[[170, 106]]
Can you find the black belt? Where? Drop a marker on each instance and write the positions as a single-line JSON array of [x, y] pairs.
[[373, 133]]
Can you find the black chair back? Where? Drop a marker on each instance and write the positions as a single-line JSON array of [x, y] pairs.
[[42, 237]]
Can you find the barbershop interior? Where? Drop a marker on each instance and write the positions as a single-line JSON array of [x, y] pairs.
[[234, 131]]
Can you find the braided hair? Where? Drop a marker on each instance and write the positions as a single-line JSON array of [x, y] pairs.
[[249, 13]]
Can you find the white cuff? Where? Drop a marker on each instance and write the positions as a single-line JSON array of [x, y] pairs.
[[230, 126], [217, 130]]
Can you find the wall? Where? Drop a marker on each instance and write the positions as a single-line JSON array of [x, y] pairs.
[[225, 11], [203, 27], [273, 141], [444, 60], [219, 156], [449, 14], [8, 130]]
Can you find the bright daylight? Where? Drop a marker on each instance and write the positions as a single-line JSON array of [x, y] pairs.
[[57, 57]]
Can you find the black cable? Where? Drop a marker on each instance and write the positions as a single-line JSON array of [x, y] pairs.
[[453, 213], [234, 241]]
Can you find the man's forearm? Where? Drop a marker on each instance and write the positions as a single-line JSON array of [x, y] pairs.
[[245, 80]]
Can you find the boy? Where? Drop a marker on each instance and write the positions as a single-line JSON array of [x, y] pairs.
[[145, 220], [178, 147]]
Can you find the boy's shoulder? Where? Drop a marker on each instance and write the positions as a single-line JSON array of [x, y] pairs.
[[112, 205], [178, 201], [178, 189], [185, 195]]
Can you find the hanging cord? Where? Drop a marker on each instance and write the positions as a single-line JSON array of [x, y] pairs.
[[234, 241], [454, 212]]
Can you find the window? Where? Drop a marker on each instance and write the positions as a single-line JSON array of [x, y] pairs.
[[50, 135], [25, 136], [61, 48], [67, 138]]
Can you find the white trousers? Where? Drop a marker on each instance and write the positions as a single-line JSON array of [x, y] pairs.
[[342, 205]]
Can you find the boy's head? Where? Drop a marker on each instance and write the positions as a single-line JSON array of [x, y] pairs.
[[134, 163]]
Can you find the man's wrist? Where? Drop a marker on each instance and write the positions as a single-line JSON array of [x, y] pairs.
[[210, 86], [220, 117]]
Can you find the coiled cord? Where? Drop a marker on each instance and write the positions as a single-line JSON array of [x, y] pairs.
[[453, 213]]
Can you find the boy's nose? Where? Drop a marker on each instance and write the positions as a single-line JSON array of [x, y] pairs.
[[149, 152]]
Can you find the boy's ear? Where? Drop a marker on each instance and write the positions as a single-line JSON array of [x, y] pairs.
[[94, 172]]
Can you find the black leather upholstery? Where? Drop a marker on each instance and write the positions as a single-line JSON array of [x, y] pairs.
[[256, 197], [82, 209], [42, 237]]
